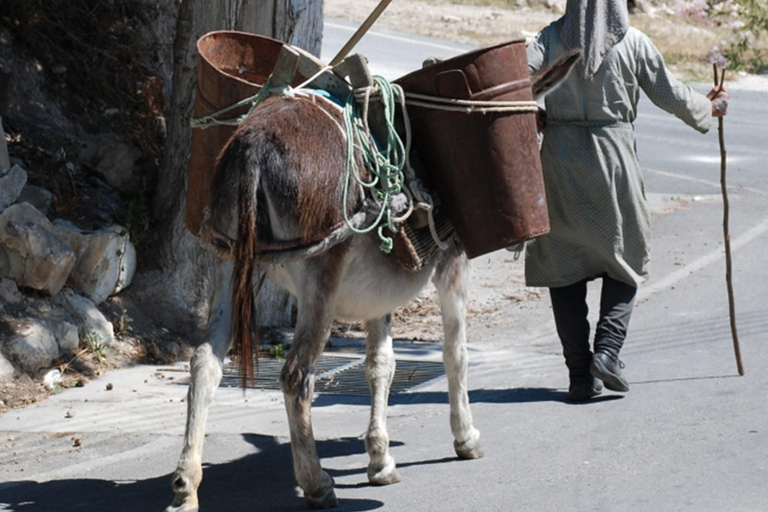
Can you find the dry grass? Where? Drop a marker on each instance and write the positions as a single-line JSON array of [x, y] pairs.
[[686, 47]]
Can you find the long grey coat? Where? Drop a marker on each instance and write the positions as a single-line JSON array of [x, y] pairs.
[[597, 207]]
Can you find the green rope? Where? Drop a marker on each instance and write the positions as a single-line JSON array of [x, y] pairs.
[[385, 164], [213, 119]]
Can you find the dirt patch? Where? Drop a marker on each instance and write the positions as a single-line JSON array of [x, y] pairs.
[[75, 371], [137, 340], [477, 25]]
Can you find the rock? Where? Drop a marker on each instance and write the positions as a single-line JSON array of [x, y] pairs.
[[556, 5], [9, 292], [32, 253], [67, 337], [100, 205], [38, 197], [106, 260], [91, 323], [115, 160], [5, 162], [5, 87], [643, 6], [7, 371], [11, 185], [128, 264], [33, 345]]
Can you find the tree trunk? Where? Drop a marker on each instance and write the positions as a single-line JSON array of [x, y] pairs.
[[187, 277]]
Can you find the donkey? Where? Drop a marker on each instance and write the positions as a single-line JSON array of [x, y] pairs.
[[281, 177]]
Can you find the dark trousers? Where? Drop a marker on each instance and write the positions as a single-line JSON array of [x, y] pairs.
[[569, 304]]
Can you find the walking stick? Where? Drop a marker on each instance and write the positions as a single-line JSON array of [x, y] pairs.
[[726, 234], [358, 35]]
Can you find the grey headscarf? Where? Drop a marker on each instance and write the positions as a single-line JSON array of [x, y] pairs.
[[594, 26]]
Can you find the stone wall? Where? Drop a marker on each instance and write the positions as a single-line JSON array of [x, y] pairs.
[[53, 276]]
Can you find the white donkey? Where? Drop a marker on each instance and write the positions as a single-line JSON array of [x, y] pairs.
[[280, 180]]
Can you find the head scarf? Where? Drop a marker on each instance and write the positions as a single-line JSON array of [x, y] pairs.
[[594, 26]]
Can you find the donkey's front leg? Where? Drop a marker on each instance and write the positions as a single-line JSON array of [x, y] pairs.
[[380, 369], [206, 369], [451, 281]]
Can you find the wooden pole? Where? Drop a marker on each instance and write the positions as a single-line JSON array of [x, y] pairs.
[[357, 36], [726, 234]]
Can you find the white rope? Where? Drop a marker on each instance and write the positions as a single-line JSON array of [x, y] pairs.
[[469, 106], [311, 79]]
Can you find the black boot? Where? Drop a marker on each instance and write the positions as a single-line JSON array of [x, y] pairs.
[[608, 369], [583, 388]]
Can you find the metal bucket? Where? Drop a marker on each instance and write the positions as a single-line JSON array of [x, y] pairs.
[[231, 66], [485, 167]]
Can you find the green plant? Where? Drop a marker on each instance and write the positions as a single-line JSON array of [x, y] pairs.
[[122, 324], [277, 351], [747, 21], [96, 346]]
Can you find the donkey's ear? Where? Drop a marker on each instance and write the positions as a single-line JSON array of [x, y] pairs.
[[553, 75]]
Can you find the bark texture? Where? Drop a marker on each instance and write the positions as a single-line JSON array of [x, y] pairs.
[[187, 269]]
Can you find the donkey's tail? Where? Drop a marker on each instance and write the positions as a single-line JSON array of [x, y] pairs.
[[237, 158]]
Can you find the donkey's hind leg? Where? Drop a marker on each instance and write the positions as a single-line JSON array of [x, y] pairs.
[[319, 283], [206, 369], [451, 280], [380, 369]]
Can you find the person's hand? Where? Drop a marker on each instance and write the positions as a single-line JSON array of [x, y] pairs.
[[719, 97]]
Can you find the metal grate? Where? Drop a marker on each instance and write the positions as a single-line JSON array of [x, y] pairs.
[[268, 376], [338, 375]]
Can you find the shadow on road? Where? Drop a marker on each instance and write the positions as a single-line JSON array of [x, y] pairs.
[[262, 481], [488, 396], [684, 379], [340, 473]]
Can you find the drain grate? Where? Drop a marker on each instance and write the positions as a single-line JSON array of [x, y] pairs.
[[339, 375], [269, 371]]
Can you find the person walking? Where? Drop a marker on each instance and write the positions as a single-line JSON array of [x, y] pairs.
[[599, 219]]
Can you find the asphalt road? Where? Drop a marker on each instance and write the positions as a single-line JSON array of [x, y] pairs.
[[691, 435]]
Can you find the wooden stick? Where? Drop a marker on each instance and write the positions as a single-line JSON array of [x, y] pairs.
[[357, 36], [726, 234]]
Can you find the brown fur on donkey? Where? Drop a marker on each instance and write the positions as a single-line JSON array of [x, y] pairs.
[[280, 181], [299, 139]]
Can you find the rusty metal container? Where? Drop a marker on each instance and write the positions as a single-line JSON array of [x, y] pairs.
[[231, 66], [485, 167]]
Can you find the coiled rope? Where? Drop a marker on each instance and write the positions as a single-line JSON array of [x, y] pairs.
[[385, 164]]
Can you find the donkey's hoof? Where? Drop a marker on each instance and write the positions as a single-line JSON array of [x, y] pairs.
[[185, 499], [322, 498], [182, 508], [383, 474], [471, 449]]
